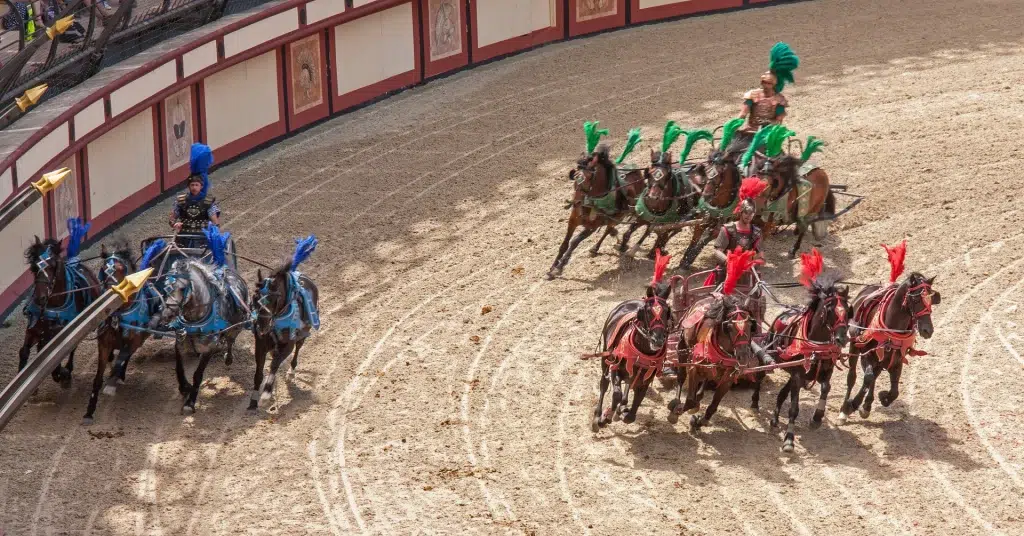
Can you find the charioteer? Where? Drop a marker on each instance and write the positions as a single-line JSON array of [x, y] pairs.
[[766, 105], [194, 210]]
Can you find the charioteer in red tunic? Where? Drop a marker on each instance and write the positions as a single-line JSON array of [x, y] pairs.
[[742, 233]]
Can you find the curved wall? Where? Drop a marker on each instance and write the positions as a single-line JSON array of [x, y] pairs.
[[127, 137]]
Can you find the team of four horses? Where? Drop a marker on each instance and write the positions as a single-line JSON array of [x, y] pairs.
[[193, 295], [711, 333]]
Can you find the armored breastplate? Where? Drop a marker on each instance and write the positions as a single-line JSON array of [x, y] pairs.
[[763, 112], [744, 241], [194, 216]]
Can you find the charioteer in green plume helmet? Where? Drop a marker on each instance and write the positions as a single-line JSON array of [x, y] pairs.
[[766, 105]]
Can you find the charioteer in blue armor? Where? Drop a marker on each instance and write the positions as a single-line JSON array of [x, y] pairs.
[[194, 210]]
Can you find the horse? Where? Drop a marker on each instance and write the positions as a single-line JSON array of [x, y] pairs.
[[721, 179], [116, 332], [208, 306], [287, 305], [600, 199], [61, 289], [817, 332], [632, 349], [786, 202], [667, 198], [714, 346], [886, 323]]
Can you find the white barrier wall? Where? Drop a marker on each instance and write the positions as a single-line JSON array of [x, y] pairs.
[[374, 48], [121, 162], [15, 239], [241, 100], [500, 20]]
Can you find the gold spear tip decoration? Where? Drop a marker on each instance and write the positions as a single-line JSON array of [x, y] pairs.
[[131, 284], [31, 97], [60, 26], [51, 180]]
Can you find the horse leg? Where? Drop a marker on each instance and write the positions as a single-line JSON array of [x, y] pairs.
[[26, 349], [851, 380], [189, 407], [624, 242], [865, 410], [295, 358], [570, 229], [801, 230], [794, 412], [755, 397], [64, 372], [639, 392], [260, 355], [697, 421], [229, 355], [179, 369], [625, 399], [825, 380], [868, 384], [597, 247], [702, 235], [105, 354], [280, 354], [693, 379], [572, 247], [888, 397], [636, 247], [675, 408], [783, 393], [597, 422], [120, 365]]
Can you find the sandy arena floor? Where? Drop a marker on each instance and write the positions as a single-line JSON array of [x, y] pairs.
[[449, 197]]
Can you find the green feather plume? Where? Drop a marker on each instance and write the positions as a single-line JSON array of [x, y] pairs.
[[776, 137], [693, 137], [814, 145], [728, 131], [756, 143], [672, 133], [783, 61], [632, 140], [593, 134]]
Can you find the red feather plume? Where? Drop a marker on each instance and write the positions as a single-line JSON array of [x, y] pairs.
[[750, 188], [811, 266], [660, 265], [736, 263], [897, 254]]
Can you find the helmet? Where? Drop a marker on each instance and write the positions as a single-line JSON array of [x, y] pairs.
[[769, 77], [195, 177], [747, 206]]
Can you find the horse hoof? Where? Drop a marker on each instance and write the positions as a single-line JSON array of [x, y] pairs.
[[815, 424], [694, 423], [884, 399], [252, 410], [755, 406], [264, 396], [841, 420], [65, 381], [864, 413], [110, 390], [774, 423], [188, 410], [673, 404], [228, 361], [290, 374], [673, 417], [787, 447], [629, 419], [595, 425], [87, 421], [592, 252]]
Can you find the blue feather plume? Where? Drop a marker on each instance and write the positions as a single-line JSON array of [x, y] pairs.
[[217, 242], [77, 229], [152, 251], [200, 160], [303, 249]]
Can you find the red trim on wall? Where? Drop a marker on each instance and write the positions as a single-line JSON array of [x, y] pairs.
[[13, 292], [516, 44], [83, 173], [455, 61], [682, 8], [320, 111], [595, 25]]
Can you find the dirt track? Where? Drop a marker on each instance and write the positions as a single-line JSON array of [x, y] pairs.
[[428, 205]]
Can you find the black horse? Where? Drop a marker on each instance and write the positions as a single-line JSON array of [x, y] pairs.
[[886, 322]]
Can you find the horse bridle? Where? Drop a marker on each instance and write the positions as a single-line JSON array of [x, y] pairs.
[[922, 290], [738, 319], [42, 264], [659, 310]]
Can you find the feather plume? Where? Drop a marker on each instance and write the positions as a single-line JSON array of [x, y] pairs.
[[153, 250], [776, 136], [755, 144], [200, 160], [692, 137], [814, 145], [660, 265], [737, 262], [77, 230], [303, 249], [632, 140], [217, 243], [593, 134], [728, 131], [811, 266], [897, 254], [750, 188], [671, 134], [783, 61]]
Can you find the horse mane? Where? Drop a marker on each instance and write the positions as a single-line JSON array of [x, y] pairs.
[[789, 167], [34, 251], [122, 249], [825, 283]]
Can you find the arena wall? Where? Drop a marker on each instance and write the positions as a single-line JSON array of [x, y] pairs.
[[252, 80]]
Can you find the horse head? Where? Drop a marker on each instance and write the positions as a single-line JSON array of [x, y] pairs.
[[655, 315], [117, 264], [271, 297], [659, 174], [829, 306], [593, 172], [186, 293], [734, 324], [47, 267], [916, 299], [782, 171]]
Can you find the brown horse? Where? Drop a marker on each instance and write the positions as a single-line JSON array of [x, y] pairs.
[[719, 178], [667, 198], [62, 288], [783, 199], [600, 199], [886, 321], [715, 345]]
